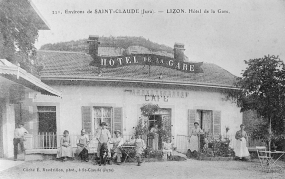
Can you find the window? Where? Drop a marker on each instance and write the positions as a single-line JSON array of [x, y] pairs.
[[205, 118], [47, 119], [103, 114], [47, 128], [92, 116], [210, 121]]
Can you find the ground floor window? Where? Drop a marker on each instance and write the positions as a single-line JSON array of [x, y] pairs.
[[47, 127], [47, 118], [205, 118], [92, 116], [209, 120], [103, 114]]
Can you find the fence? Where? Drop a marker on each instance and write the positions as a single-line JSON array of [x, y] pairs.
[[182, 141], [50, 140]]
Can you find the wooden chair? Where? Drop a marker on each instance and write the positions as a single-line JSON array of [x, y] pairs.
[[263, 159]]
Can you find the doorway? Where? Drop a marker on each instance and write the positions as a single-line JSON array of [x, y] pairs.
[[163, 120]]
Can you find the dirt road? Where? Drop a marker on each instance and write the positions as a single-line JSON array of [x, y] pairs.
[[183, 169]]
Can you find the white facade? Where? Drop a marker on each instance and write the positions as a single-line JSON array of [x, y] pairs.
[[69, 114]]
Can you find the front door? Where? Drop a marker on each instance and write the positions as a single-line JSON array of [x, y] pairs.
[[163, 120]]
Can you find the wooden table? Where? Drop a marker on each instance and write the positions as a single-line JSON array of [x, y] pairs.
[[273, 162]]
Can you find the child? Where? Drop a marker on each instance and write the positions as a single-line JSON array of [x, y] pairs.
[[139, 146], [167, 149]]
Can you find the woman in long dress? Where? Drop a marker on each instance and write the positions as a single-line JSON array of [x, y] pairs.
[[154, 131], [194, 140], [240, 148], [82, 146], [65, 149]]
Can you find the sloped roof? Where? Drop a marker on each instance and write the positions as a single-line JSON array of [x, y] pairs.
[[20, 76], [74, 65]]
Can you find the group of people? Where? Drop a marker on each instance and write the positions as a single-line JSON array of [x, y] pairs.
[[103, 136], [240, 148]]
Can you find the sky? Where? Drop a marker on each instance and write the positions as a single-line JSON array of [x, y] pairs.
[[246, 29]]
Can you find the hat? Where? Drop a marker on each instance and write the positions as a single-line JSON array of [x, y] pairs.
[[117, 131], [196, 123], [241, 125], [104, 124]]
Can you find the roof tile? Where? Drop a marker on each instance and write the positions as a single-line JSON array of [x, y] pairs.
[[76, 65]]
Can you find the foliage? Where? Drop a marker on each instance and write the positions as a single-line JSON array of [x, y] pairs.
[[118, 42], [141, 128], [263, 90], [18, 33], [149, 109], [150, 153], [165, 130], [216, 148]]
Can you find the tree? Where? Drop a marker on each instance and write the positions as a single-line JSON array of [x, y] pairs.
[[262, 89], [18, 33]]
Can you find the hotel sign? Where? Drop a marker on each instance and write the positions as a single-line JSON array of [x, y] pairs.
[[160, 93], [147, 59]]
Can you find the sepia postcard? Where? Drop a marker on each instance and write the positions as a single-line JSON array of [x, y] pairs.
[[132, 88]]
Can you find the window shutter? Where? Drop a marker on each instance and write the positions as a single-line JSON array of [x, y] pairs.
[[217, 123], [118, 119], [191, 119], [86, 118]]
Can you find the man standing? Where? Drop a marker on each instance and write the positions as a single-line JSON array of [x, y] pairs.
[[103, 136], [19, 134]]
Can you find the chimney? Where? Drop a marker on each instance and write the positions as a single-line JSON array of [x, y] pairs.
[[179, 52], [93, 41]]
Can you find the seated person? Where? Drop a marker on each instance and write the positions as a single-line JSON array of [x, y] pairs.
[[167, 148], [117, 143], [65, 149], [82, 146]]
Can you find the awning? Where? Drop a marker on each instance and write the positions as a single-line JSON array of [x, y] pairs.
[[20, 76]]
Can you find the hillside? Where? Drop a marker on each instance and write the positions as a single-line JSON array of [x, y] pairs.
[[119, 42]]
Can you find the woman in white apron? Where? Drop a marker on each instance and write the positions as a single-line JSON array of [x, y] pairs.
[[240, 148], [194, 139]]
